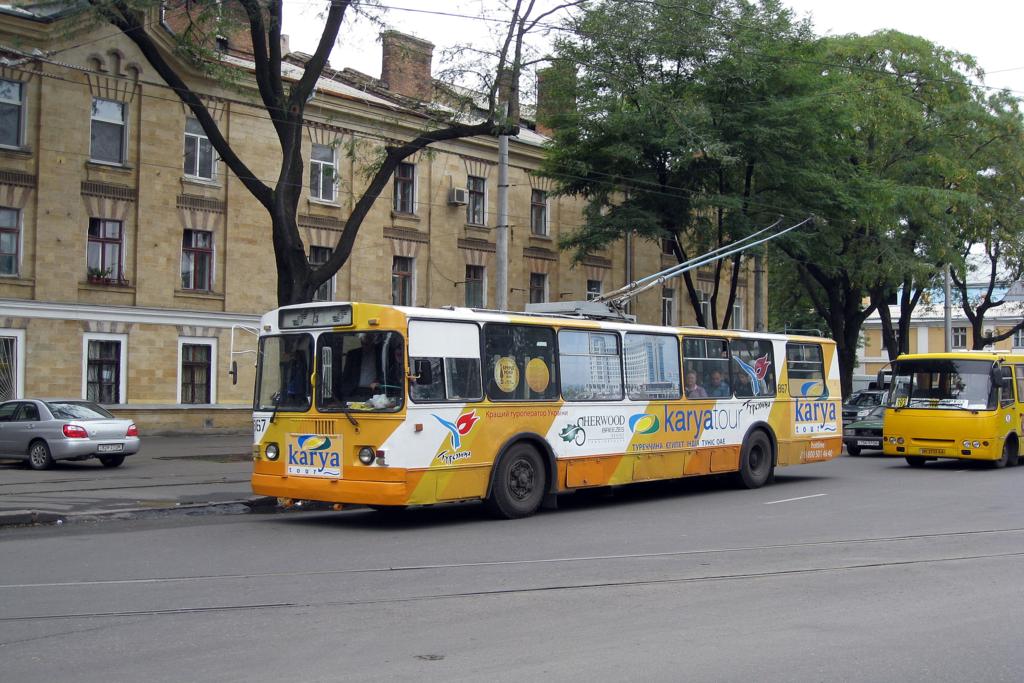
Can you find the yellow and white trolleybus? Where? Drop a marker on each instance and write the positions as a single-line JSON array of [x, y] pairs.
[[393, 406]]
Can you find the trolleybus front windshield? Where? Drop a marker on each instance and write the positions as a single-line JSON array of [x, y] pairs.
[[942, 384], [282, 375], [360, 371]]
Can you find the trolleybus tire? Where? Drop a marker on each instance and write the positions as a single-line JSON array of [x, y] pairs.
[[853, 450], [916, 461], [39, 457], [756, 461], [519, 483], [111, 460]]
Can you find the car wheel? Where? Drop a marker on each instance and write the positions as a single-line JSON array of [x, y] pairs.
[[853, 450], [915, 461], [111, 460], [39, 457], [519, 483], [755, 461]]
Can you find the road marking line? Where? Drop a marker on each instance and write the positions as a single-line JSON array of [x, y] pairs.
[[789, 500]]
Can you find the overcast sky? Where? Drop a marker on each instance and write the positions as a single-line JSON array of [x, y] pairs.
[[988, 29]]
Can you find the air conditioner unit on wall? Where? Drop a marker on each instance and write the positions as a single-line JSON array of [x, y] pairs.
[[458, 196]]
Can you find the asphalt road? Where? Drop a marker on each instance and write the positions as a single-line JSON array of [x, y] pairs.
[[856, 569]]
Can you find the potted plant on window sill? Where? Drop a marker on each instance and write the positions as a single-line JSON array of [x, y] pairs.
[[101, 276]]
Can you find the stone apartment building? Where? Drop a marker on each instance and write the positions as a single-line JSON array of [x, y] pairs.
[[132, 261]]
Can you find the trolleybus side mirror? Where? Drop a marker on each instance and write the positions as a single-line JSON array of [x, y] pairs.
[[234, 372], [424, 372]]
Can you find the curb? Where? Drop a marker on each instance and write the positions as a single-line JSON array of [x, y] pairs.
[[13, 518]]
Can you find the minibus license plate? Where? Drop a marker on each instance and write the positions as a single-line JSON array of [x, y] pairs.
[[933, 451]]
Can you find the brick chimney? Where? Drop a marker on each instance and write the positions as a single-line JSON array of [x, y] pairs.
[[406, 65], [556, 95]]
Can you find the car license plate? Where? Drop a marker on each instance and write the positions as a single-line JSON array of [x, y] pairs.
[[866, 442], [933, 451], [109, 448]]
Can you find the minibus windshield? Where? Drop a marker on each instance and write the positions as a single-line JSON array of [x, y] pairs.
[[942, 384]]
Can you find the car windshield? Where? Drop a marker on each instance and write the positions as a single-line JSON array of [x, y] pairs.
[[876, 413], [865, 399], [360, 371], [77, 410], [282, 374], [942, 384]]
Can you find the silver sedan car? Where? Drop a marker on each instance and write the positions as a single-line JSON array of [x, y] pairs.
[[43, 432]]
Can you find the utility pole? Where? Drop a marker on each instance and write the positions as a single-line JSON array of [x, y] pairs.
[[948, 312], [502, 233]]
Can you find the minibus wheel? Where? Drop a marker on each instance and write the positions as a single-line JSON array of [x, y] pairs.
[[1009, 456], [915, 461], [519, 483], [756, 461]]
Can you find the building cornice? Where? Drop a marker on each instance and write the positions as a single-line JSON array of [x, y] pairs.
[[123, 314]]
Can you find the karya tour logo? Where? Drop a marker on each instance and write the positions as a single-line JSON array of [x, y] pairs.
[[312, 455]]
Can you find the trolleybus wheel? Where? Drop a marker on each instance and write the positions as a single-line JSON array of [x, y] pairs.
[[519, 483], [756, 461], [915, 461]]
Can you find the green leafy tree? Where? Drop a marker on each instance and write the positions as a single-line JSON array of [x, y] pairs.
[[679, 112]]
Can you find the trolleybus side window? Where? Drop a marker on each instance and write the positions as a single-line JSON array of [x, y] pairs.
[[360, 371], [753, 367], [589, 365], [284, 371], [806, 369], [1018, 371], [652, 367], [706, 362], [520, 362], [444, 358]]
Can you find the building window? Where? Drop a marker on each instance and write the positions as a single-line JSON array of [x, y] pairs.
[[108, 131], [198, 151], [668, 246], [476, 208], [538, 288], [321, 173], [197, 260], [475, 287], [959, 337], [103, 371], [103, 256], [1018, 342], [11, 113], [9, 241], [195, 373], [594, 288], [668, 306], [737, 314], [317, 257], [705, 307], [401, 280], [539, 212], [405, 188]]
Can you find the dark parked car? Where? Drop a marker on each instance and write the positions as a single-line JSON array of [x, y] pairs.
[[45, 431], [865, 434], [860, 404]]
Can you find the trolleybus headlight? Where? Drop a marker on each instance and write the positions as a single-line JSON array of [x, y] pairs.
[[976, 444], [367, 455], [272, 451]]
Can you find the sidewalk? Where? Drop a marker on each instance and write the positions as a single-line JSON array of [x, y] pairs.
[[169, 472]]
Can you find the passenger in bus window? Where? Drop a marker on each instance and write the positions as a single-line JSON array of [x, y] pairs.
[[694, 390], [718, 387], [296, 377], [362, 377], [743, 387]]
